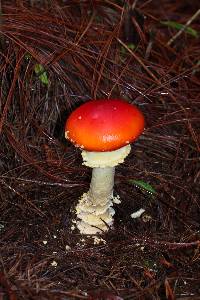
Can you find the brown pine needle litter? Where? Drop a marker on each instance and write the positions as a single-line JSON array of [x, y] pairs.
[[54, 56]]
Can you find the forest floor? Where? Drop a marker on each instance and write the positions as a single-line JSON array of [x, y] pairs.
[[55, 55]]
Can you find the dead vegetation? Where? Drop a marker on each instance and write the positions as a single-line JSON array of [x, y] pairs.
[[54, 56]]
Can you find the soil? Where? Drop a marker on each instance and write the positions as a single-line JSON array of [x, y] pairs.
[[54, 56]]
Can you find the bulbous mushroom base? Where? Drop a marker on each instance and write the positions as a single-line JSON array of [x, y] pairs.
[[94, 218]]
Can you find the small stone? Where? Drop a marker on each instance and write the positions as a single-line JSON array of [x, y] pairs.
[[44, 242]]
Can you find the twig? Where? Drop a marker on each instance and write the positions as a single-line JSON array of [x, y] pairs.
[[1, 23], [145, 241], [39, 182], [184, 27], [39, 211], [4, 282]]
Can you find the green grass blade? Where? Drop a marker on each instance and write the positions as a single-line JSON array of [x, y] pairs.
[[143, 185], [179, 26]]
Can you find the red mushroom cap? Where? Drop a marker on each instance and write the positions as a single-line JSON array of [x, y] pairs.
[[104, 125]]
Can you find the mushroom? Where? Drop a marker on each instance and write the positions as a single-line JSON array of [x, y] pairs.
[[103, 129]]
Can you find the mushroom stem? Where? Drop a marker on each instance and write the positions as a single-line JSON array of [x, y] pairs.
[[94, 210], [101, 186]]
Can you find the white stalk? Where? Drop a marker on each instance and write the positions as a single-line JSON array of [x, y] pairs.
[[94, 210], [101, 186]]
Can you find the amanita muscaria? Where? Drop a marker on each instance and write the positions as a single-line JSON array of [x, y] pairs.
[[103, 129]]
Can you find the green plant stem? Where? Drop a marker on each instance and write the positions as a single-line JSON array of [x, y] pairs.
[[184, 27]]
